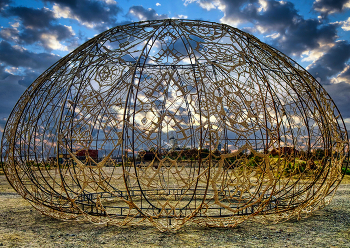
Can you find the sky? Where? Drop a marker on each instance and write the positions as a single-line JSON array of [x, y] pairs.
[[34, 34]]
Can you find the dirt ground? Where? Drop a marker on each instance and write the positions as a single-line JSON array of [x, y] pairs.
[[22, 226]]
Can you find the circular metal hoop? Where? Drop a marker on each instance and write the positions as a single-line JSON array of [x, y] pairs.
[[175, 121]]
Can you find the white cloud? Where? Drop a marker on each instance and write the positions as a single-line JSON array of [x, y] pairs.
[[230, 21], [19, 48], [205, 4], [139, 15], [315, 54], [50, 41], [273, 36], [12, 70], [158, 4], [263, 5], [15, 25], [346, 25], [70, 29], [310, 56], [65, 12], [10, 34], [341, 77], [180, 17], [110, 2], [261, 29], [61, 12]]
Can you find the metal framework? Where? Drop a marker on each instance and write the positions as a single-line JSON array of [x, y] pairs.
[[173, 121]]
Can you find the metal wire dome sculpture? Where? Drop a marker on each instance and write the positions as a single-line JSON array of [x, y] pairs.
[[175, 121]]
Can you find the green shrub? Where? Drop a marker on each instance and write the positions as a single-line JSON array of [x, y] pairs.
[[346, 171], [254, 161]]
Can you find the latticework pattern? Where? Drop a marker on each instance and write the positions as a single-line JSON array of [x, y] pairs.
[[175, 121]]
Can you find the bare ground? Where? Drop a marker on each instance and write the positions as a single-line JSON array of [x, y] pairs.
[[22, 226]]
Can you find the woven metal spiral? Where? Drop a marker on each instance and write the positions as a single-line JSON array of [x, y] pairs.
[[173, 121]]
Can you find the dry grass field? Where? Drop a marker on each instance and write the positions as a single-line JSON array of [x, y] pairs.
[[22, 226]]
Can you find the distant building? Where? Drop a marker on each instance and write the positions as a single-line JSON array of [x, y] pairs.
[[284, 150], [173, 142], [219, 147], [83, 154]]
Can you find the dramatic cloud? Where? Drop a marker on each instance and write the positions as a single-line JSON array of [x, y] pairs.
[[344, 76], [11, 89], [305, 35], [28, 78], [266, 14], [31, 18], [10, 34], [143, 14], [91, 13], [19, 57], [340, 95], [292, 34], [3, 73], [10, 92], [345, 24], [4, 3], [12, 86], [331, 63], [279, 21], [37, 26], [333, 72], [274, 15], [326, 7]]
